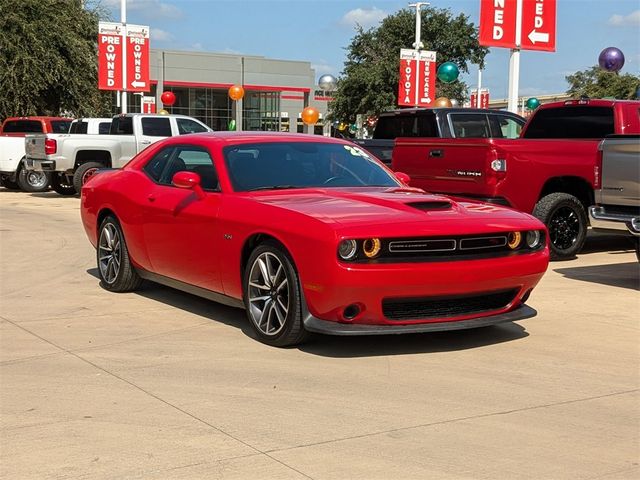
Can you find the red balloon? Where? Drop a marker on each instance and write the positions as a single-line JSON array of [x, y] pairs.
[[168, 98]]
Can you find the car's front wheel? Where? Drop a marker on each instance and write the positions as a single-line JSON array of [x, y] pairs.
[[117, 274], [272, 296]]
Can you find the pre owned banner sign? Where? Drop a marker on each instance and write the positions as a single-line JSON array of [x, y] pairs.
[[498, 23], [138, 58], [417, 83], [110, 56]]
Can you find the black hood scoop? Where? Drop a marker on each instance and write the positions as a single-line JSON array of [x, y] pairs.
[[429, 206]]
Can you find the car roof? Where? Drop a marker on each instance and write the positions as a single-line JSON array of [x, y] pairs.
[[254, 137], [445, 109]]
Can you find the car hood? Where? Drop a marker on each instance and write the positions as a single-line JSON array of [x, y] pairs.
[[394, 207]]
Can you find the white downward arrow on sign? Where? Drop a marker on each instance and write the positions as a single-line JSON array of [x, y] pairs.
[[538, 37], [138, 84]]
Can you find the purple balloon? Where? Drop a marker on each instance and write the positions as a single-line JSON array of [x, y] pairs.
[[611, 59]]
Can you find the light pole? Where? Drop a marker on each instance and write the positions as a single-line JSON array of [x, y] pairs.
[[418, 45]]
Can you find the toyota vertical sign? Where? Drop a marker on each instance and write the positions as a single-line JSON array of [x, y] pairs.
[[115, 41], [417, 84], [110, 56]]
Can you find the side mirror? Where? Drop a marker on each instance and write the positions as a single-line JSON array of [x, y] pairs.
[[189, 180], [403, 177]]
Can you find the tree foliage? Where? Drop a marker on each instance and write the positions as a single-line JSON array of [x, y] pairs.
[[369, 82], [48, 59], [598, 83]]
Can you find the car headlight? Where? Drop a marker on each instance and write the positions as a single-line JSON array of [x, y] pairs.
[[514, 239], [371, 247], [347, 249], [533, 239]]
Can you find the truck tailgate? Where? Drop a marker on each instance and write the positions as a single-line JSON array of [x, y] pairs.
[[34, 146], [446, 165]]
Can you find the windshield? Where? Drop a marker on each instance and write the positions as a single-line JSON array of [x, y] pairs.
[[265, 166]]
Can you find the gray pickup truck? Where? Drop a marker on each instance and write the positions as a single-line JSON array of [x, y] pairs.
[[617, 207], [439, 123]]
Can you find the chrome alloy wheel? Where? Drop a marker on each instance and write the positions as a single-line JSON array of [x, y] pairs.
[[268, 294], [37, 179], [109, 253], [88, 174]]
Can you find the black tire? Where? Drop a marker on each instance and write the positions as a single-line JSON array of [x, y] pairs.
[[9, 184], [117, 274], [60, 184], [83, 172], [566, 219], [285, 321], [33, 181], [638, 249]]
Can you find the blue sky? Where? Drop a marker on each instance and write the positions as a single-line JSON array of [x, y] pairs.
[[319, 32]]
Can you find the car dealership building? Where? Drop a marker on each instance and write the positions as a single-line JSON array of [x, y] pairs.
[[276, 91]]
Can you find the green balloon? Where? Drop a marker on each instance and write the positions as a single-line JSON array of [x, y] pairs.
[[353, 128], [532, 103], [232, 125], [448, 72]]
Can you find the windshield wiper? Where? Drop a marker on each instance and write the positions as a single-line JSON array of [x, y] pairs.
[[273, 187]]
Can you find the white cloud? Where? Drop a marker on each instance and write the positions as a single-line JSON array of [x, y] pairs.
[[631, 20], [197, 46], [322, 67], [365, 17], [160, 35], [147, 8]]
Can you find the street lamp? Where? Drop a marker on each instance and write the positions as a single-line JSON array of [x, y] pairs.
[[418, 5]]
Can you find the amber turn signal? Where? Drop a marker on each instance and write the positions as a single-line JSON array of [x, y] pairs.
[[371, 247], [514, 239]]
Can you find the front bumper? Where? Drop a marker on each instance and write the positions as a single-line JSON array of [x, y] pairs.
[[313, 324], [601, 219]]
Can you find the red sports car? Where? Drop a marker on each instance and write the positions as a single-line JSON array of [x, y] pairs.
[[309, 234]]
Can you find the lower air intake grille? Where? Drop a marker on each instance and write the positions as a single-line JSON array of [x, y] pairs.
[[443, 307]]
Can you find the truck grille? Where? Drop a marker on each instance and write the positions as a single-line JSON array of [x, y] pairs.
[[446, 307]]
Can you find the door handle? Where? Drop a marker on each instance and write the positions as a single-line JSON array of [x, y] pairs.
[[436, 153], [145, 142]]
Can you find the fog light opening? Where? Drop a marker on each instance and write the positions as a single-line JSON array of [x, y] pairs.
[[350, 312]]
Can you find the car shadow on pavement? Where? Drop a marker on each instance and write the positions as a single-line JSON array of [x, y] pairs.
[[336, 346], [623, 275], [606, 242]]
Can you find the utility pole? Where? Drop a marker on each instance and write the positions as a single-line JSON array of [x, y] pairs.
[[418, 45], [514, 62], [123, 19]]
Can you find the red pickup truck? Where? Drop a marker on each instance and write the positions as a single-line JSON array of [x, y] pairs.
[[13, 175], [551, 171]]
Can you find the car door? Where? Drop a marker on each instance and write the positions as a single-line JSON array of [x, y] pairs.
[[181, 230], [152, 129]]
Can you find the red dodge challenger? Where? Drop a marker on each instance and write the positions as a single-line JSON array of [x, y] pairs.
[[309, 234]]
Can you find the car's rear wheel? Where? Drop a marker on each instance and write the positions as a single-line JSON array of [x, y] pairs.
[[566, 219], [117, 274], [272, 296], [61, 184], [33, 181], [9, 184], [83, 173]]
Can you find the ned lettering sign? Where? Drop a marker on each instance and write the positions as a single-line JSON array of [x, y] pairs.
[[539, 25], [109, 56], [498, 23], [138, 59], [417, 84]]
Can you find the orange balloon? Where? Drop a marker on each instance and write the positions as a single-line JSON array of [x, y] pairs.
[[236, 92], [442, 102], [310, 116]]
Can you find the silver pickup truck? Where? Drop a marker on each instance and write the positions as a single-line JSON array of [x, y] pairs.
[[617, 207]]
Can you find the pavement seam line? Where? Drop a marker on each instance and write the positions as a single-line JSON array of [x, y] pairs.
[[454, 420], [175, 407]]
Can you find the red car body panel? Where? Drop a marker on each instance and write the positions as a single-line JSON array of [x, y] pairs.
[[171, 232]]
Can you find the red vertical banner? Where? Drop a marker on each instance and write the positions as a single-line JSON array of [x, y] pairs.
[[498, 23], [473, 99], [138, 59], [407, 84], [110, 56], [484, 98], [426, 78], [539, 25], [148, 104]]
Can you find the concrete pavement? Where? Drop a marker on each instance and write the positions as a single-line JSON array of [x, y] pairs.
[[161, 384]]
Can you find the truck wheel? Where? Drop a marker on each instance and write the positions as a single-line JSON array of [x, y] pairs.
[[8, 183], [33, 181], [60, 183], [638, 249], [116, 271], [566, 219], [83, 173]]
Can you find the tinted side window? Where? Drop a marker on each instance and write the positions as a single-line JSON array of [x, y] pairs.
[[406, 125], [103, 128], [189, 126], [23, 126], [121, 126], [469, 125], [156, 127], [504, 127], [571, 122], [192, 159], [158, 163], [60, 126], [78, 127]]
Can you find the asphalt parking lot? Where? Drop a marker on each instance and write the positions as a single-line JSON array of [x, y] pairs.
[[161, 384]]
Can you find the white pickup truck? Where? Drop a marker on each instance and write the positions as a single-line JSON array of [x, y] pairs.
[[73, 158]]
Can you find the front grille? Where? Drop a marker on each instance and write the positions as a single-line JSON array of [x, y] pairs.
[[422, 246], [446, 307]]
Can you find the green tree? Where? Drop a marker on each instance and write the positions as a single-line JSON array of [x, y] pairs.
[[48, 59], [369, 81], [598, 83]]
